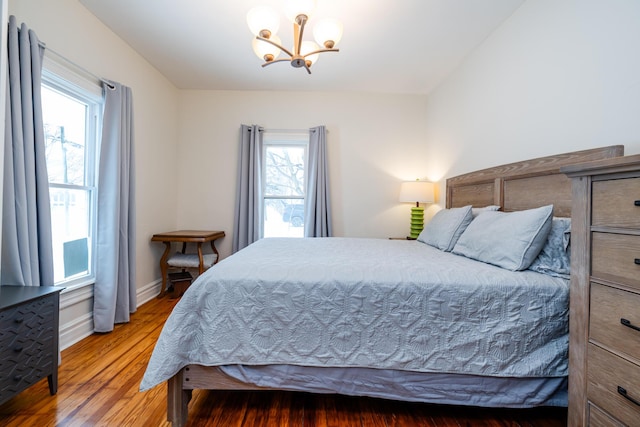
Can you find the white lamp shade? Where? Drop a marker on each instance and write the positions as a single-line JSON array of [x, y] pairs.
[[262, 48], [327, 29], [293, 8], [263, 18], [417, 191]]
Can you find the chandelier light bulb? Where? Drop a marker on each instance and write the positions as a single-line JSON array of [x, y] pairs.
[[309, 46], [328, 32], [294, 8], [266, 51], [263, 21]]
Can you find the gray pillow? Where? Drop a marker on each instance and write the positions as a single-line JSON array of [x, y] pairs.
[[555, 257], [510, 240], [478, 211], [445, 228]]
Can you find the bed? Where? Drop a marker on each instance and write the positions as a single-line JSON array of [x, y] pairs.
[[432, 320]]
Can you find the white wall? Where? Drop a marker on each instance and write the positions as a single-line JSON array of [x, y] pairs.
[[71, 30], [559, 75], [374, 143]]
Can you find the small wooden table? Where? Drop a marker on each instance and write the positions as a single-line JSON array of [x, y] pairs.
[[185, 236]]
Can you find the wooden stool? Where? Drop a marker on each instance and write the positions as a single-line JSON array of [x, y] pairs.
[[184, 260]]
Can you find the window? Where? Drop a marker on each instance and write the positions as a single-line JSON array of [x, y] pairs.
[[285, 160], [72, 110]]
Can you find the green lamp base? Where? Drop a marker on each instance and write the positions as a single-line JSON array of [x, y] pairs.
[[417, 221]]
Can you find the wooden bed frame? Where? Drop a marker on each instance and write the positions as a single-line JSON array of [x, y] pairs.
[[515, 186]]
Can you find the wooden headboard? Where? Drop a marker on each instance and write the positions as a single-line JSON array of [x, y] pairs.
[[524, 185]]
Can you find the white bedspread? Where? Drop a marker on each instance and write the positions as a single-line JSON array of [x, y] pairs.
[[373, 303]]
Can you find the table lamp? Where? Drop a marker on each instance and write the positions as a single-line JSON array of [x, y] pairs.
[[415, 192]]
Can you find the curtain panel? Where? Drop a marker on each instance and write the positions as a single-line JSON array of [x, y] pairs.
[[248, 214], [318, 210], [27, 252], [115, 287]]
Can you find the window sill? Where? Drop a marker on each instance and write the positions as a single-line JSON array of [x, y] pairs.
[[74, 285]]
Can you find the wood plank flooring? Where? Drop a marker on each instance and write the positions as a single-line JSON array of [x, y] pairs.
[[99, 379]]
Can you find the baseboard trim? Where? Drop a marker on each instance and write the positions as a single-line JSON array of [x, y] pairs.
[[76, 330], [148, 292], [81, 327]]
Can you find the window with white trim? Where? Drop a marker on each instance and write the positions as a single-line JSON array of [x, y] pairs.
[[72, 113], [284, 183]]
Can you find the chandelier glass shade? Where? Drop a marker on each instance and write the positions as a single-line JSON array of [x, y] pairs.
[[264, 24]]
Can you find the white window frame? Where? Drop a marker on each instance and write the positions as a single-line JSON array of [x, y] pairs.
[[68, 79], [283, 139]]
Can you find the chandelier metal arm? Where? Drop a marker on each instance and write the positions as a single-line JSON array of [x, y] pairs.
[[320, 51], [276, 60], [276, 45]]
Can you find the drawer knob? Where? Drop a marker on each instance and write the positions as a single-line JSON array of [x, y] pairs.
[[637, 203], [637, 261], [18, 319], [624, 394], [628, 324], [17, 349]]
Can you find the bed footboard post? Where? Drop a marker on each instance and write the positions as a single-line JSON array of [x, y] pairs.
[[177, 401]]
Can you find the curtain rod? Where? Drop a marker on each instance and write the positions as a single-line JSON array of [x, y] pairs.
[[84, 70], [288, 130]]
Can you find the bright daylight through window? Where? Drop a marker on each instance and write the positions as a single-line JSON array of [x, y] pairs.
[[285, 159], [71, 115]]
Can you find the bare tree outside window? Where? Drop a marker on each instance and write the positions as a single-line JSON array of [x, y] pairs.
[[284, 189], [65, 158]]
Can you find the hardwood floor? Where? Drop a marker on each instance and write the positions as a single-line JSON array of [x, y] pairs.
[[99, 379]]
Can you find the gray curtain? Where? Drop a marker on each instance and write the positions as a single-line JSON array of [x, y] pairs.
[[27, 253], [248, 219], [115, 287], [318, 204]]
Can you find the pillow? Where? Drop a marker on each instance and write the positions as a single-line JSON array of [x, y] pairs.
[[478, 211], [510, 240], [555, 257], [445, 228]]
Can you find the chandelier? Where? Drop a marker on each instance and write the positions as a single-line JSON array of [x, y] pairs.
[[264, 22]]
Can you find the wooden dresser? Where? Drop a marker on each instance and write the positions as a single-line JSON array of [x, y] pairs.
[[28, 338], [604, 343]]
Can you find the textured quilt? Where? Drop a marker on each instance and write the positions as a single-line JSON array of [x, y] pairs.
[[374, 303]]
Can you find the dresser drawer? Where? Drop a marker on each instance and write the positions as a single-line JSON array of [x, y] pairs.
[[599, 418], [29, 322], [23, 369], [605, 373], [614, 203], [608, 307], [616, 257]]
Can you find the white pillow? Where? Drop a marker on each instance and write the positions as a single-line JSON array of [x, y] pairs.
[[510, 240], [445, 228]]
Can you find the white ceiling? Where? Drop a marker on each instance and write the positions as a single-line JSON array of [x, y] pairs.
[[391, 46]]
